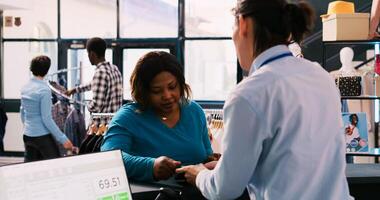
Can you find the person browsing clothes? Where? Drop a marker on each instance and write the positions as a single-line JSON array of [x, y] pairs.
[[163, 129], [39, 128], [107, 83], [284, 117]]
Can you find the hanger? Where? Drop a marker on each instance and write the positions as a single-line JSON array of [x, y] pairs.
[[101, 130], [57, 92], [93, 129], [105, 129]]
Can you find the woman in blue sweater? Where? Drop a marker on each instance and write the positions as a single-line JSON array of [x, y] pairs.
[[163, 129]]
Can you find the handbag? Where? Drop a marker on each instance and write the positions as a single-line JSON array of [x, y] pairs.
[[349, 85]]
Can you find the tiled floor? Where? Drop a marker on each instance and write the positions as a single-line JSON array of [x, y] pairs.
[[10, 160]]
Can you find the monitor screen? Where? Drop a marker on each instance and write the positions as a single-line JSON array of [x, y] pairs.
[[96, 176]]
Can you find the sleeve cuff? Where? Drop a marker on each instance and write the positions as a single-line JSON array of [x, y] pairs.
[[63, 139], [200, 178], [151, 165]]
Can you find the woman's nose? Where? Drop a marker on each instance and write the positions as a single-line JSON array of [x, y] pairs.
[[166, 94]]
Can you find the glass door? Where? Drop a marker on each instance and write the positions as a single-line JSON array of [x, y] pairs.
[[130, 58]]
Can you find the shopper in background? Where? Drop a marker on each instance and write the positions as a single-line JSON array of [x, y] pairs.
[[39, 127], [284, 117], [106, 85], [3, 123], [375, 17], [163, 128]]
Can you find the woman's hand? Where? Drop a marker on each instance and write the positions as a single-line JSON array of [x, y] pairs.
[[164, 167], [68, 145], [373, 35], [191, 172], [213, 157], [211, 165]]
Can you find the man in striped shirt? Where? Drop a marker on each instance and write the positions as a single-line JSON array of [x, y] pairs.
[[106, 85]]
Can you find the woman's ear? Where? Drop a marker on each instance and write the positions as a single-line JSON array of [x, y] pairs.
[[244, 26]]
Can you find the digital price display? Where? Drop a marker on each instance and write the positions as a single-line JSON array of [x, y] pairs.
[[97, 176]]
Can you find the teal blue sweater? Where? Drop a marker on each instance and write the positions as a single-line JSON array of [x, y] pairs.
[[142, 137]]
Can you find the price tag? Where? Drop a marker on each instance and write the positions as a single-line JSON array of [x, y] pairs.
[[106, 184]]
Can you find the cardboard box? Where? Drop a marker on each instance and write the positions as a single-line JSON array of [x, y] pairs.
[[346, 27]]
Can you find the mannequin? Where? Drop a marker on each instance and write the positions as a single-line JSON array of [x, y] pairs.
[[346, 57], [347, 68]]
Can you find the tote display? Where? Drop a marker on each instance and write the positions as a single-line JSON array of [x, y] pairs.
[[355, 130]]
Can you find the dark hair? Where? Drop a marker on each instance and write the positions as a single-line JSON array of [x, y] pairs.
[[352, 116], [276, 21], [97, 45], [149, 66], [40, 65]]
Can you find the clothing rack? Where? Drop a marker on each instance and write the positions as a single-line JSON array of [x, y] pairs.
[[215, 127], [214, 114], [214, 118], [57, 92], [101, 115], [63, 70]]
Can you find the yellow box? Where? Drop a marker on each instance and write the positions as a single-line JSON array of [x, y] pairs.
[[353, 26]]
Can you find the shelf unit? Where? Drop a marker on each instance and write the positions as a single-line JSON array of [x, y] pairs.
[[326, 44], [361, 97]]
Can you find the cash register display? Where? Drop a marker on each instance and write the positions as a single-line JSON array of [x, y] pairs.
[[97, 176]]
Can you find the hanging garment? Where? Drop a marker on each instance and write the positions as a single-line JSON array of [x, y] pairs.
[[59, 88], [94, 139], [88, 145], [60, 111], [83, 146], [90, 134], [75, 127], [97, 145]]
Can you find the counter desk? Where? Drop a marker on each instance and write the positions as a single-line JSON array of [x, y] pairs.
[[363, 180]]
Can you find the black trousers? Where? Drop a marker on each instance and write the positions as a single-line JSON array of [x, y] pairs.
[[40, 148]]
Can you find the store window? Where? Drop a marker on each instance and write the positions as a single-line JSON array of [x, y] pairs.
[[130, 58], [88, 18], [210, 68], [31, 19], [17, 57], [148, 18], [211, 18]]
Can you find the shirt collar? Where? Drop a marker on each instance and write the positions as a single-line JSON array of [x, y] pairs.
[[267, 54], [101, 63], [38, 80]]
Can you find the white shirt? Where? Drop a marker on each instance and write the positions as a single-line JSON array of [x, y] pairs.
[[355, 133], [283, 135]]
